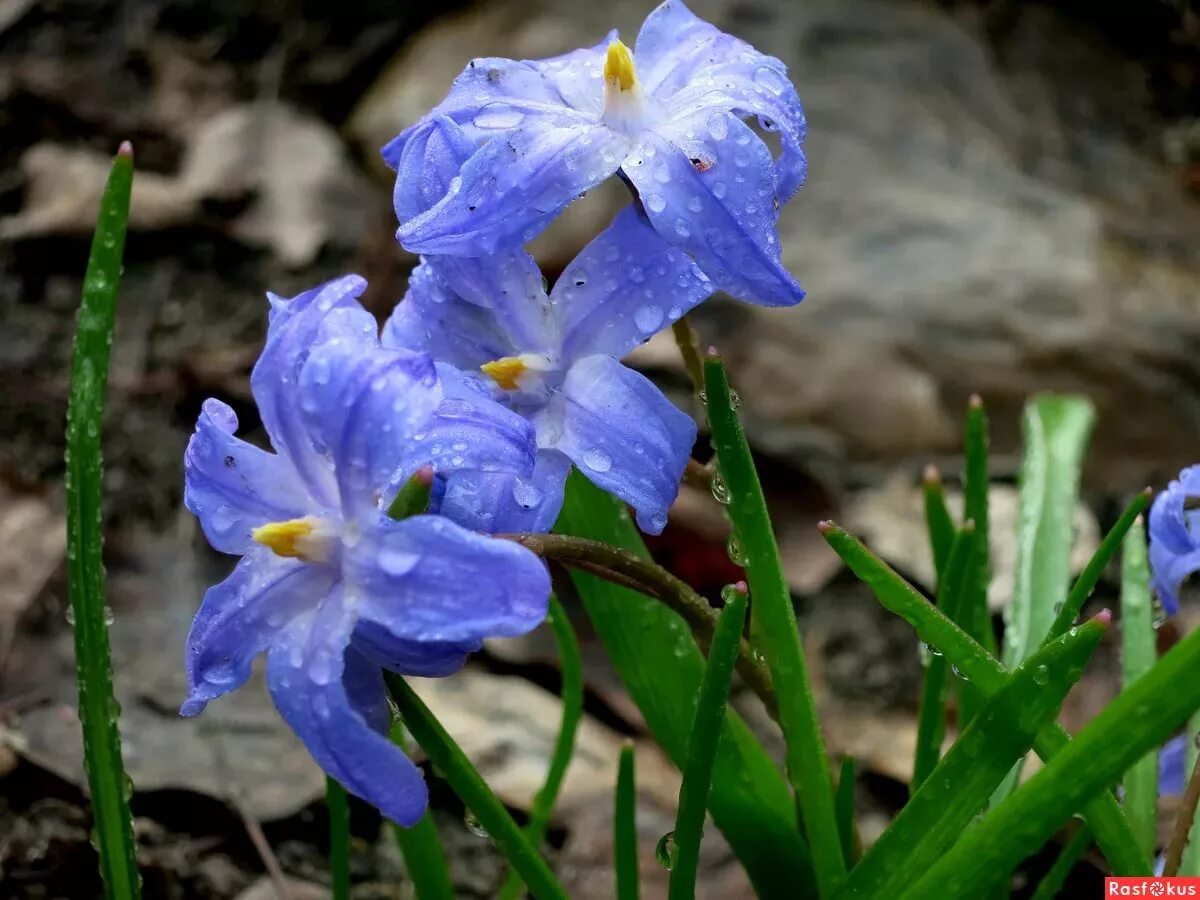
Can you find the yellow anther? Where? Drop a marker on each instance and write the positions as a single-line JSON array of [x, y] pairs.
[[618, 67], [292, 538], [505, 371]]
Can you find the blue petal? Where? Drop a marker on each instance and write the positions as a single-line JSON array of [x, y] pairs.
[[242, 616], [514, 186], [472, 431], [1172, 763], [500, 503], [333, 698], [427, 579], [363, 405], [296, 326], [1174, 534], [434, 318], [433, 152], [625, 286], [691, 67], [233, 487], [724, 216], [625, 436], [426, 659]]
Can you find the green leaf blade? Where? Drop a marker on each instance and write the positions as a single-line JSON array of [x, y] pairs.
[[958, 788], [1141, 718], [105, 769], [702, 747], [470, 787], [1139, 649], [625, 840], [338, 804], [774, 629], [660, 665], [424, 857]]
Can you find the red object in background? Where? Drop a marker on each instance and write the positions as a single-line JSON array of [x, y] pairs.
[[703, 563]]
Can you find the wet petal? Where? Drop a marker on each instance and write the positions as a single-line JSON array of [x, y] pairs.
[[720, 208], [242, 616], [333, 698], [233, 487], [295, 327], [625, 436], [1172, 763], [514, 186], [693, 67], [363, 405], [501, 503], [1174, 532], [432, 152], [624, 287], [427, 579], [426, 659]]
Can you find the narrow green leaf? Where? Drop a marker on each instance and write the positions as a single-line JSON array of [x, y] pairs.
[[702, 747], [1056, 434], [470, 787], [773, 628], [424, 857], [1086, 582], [564, 744], [1139, 649], [661, 666], [937, 520], [1056, 430], [1141, 718], [338, 805], [98, 709], [959, 787], [1072, 851], [931, 720], [625, 840], [975, 617], [845, 811], [1103, 814]]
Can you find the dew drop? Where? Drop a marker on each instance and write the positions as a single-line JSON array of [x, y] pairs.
[[719, 490], [1041, 675], [396, 562], [498, 115], [655, 203], [70, 616], [734, 548], [718, 127], [770, 79], [526, 495], [473, 825], [664, 850], [648, 318], [320, 669], [597, 460]]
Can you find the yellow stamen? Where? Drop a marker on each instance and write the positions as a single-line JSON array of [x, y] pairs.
[[290, 538], [505, 371], [618, 67]]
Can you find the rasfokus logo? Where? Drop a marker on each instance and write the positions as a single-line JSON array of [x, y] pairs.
[[1138, 886]]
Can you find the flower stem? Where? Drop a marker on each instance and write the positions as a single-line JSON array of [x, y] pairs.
[[1183, 824]]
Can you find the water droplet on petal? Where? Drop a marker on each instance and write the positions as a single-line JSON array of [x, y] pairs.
[[655, 203], [770, 79], [597, 460], [396, 562], [526, 495], [498, 115], [648, 318]]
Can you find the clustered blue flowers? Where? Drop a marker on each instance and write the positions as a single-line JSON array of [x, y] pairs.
[[485, 384]]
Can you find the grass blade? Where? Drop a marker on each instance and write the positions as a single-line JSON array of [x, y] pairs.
[[564, 744], [1056, 435], [937, 519], [1141, 718], [625, 840], [1139, 649], [470, 787], [974, 617], [931, 719], [845, 811], [98, 709], [338, 804], [1103, 814], [661, 666], [1003, 732], [1052, 882], [1086, 582], [1056, 432], [702, 747], [424, 857], [773, 627]]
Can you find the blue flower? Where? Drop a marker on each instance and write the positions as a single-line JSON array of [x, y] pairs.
[[327, 585], [1172, 763], [553, 358], [668, 116], [1175, 537]]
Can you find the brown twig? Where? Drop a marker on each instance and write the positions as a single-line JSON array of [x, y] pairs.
[[1183, 824], [265, 853], [631, 571], [689, 348]]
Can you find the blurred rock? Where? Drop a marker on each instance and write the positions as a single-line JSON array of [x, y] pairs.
[[265, 889], [33, 543], [984, 213]]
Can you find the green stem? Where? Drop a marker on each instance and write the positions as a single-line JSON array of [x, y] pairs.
[[98, 708], [625, 839], [338, 804], [1139, 651], [1070, 854], [424, 857]]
